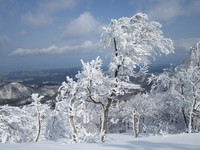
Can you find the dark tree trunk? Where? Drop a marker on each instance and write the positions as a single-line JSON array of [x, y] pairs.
[[104, 126], [39, 125], [184, 118], [136, 123]]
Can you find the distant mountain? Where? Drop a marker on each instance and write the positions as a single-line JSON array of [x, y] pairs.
[[14, 90], [55, 76], [16, 87], [18, 94], [39, 78]]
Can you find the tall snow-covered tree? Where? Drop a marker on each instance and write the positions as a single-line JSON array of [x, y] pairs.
[[95, 87], [135, 41], [91, 87], [191, 95], [190, 69], [68, 93]]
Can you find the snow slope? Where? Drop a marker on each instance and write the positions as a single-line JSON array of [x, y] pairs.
[[119, 142]]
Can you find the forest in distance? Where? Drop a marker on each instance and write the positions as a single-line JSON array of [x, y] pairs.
[[92, 101]]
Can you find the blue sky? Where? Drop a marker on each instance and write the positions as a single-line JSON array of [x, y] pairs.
[[44, 34]]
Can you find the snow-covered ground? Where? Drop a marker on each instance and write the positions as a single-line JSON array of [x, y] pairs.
[[119, 142]]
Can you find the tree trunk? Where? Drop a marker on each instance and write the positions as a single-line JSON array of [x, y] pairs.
[[184, 118], [104, 125], [72, 122], [39, 125], [190, 122], [136, 122], [191, 115], [73, 129]]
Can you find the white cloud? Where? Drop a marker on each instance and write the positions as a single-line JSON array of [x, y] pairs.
[[186, 43], [44, 15], [4, 40], [168, 10], [87, 46], [81, 26]]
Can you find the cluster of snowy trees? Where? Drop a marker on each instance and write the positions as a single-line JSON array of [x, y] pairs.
[[182, 84], [96, 102], [31, 123]]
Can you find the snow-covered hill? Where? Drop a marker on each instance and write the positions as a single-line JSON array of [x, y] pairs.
[[14, 90], [119, 142], [16, 93]]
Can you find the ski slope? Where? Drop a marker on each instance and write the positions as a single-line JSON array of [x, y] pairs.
[[118, 142]]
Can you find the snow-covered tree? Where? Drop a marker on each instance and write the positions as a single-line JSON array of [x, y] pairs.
[[191, 95], [193, 57], [136, 109], [88, 91], [96, 88], [183, 83], [56, 125], [26, 123], [16, 125], [68, 92], [39, 110], [135, 40], [189, 86]]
